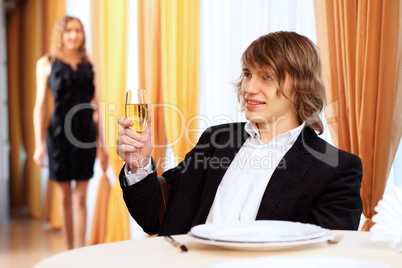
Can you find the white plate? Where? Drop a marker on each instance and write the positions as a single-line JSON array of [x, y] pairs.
[[258, 232], [264, 246]]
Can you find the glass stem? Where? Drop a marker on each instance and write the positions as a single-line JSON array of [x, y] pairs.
[[140, 168]]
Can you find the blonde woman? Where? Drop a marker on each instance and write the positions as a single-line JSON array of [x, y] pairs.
[[66, 75]]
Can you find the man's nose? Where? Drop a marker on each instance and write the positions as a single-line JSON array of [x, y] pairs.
[[252, 87]]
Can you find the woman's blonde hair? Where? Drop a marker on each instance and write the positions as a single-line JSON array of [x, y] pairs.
[[56, 44], [288, 54]]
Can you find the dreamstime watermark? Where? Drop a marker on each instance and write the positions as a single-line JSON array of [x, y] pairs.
[[68, 129], [245, 161], [184, 130]]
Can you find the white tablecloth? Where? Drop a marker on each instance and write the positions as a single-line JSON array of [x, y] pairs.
[[156, 252]]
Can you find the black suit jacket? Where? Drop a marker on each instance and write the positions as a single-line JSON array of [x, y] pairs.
[[314, 183]]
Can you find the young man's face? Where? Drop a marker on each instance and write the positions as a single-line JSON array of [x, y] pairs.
[[262, 103]]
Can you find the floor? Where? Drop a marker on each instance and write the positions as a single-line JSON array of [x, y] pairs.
[[26, 241]]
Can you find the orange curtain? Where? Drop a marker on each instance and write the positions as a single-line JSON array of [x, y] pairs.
[[168, 53], [17, 196], [31, 51], [150, 71], [52, 11], [112, 51], [99, 219], [181, 70], [359, 46], [28, 35]]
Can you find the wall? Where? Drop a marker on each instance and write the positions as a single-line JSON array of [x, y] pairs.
[[4, 145]]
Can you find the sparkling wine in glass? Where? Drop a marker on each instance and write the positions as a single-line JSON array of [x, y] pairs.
[[136, 109]]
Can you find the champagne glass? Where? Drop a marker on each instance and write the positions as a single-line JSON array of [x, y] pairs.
[[136, 109]]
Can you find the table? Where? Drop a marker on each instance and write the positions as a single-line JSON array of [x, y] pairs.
[[156, 252]]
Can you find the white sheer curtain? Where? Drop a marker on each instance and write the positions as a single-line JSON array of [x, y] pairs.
[[398, 166], [395, 174], [227, 28], [82, 10]]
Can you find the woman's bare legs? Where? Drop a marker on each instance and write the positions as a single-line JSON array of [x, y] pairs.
[[64, 190], [80, 211], [77, 198]]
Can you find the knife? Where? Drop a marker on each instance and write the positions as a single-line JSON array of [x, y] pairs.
[[176, 244]]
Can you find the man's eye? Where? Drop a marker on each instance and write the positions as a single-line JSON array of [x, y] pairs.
[[247, 74], [266, 77]]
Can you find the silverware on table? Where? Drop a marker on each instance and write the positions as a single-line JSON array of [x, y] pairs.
[[176, 244], [336, 239]]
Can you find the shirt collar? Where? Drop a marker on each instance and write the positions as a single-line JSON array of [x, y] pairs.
[[285, 139], [251, 129]]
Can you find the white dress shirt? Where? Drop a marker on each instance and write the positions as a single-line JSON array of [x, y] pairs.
[[240, 192]]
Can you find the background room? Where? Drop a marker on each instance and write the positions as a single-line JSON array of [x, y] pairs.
[[187, 55]]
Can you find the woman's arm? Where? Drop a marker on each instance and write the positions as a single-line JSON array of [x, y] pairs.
[[40, 110]]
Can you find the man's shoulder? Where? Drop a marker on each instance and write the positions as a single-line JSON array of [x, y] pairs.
[[325, 152], [343, 153], [230, 134]]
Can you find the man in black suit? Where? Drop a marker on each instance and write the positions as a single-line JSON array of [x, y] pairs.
[[274, 167]]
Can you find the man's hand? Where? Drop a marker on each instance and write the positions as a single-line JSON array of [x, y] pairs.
[[131, 143]]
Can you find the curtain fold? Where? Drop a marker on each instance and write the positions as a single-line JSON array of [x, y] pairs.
[[180, 31], [52, 11], [100, 219], [52, 206], [98, 228], [117, 226], [359, 48], [150, 72], [17, 196], [31, 51], [112, 46], [29, 31]]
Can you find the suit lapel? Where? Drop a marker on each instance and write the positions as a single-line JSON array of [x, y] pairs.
[[289, 172], [234, 140]]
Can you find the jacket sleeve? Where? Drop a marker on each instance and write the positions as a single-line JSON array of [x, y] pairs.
[[142, 200], [339, 206]]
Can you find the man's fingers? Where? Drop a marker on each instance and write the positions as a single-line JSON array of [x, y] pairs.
[[124, 122], [128, 132], [129, 143]]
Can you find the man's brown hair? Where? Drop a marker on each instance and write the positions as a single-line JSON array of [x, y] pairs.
[[288, 54]]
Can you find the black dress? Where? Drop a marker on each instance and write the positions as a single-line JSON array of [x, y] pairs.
[[71, 136]]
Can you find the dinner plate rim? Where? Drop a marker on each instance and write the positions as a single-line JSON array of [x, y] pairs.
[[266, 246], [269, 223]]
